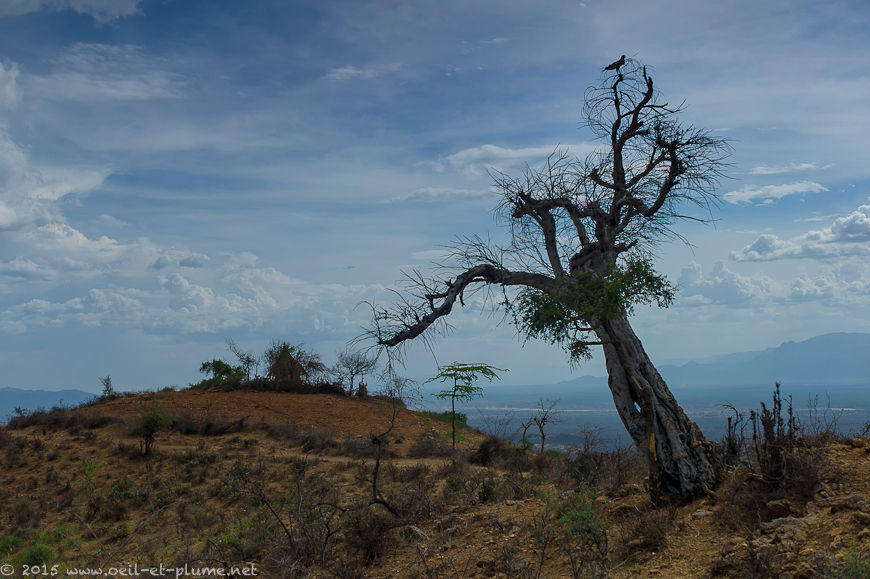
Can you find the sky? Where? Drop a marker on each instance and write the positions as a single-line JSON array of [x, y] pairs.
[[175, 173]]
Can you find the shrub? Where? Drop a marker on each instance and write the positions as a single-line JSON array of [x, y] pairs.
[[23, 512], [780, 461], [36, 555], [105, 508], [108, 393], [582, 535], [186, 425], [514, 459], [223, 376], [316, 440], [9, 544], [368, 533], [152, 419], [645, 528], [359, 448], [58, 417], [487, 451], [782, 455], [856, 566], [429, 447], [192, 458]]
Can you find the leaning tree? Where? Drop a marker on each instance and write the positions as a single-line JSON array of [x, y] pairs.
[[579, 259]]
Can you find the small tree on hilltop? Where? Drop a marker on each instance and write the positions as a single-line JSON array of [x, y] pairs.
[[152, 419], [352, 364], [464, 377], [222, 374], [109, 392], [247, 362]]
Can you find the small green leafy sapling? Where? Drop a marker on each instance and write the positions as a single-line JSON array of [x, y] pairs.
[[464, 378]]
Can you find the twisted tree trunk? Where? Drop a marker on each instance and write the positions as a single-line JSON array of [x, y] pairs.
[[676, 450]]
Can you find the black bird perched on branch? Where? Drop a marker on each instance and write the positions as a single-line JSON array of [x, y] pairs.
[[615, 65]]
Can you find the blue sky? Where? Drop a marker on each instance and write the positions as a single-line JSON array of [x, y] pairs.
[[175, 173]]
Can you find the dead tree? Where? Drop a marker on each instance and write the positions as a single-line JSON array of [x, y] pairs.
[[544, 416], [351, 364], [579, 259]]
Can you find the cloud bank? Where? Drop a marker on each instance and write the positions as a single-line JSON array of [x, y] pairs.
[[846, 236]]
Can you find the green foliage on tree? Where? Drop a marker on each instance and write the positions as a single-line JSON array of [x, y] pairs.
[[152, 419], [564, 315], [222, 374], [464, 378], [248, 362], [109, 392]]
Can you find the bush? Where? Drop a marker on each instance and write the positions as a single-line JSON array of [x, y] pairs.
[[582, 533], [488, 450], [779, 461], [36, 555], [109, 392], [646, 528], [368, 533], [223, 376], [9, 544], [152, 419], [429, 447], [56, 418], [358, 448], [316, 440], [782, 455], [856, 566]]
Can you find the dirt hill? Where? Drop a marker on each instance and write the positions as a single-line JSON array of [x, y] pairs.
[[340, 416], [293, 484]]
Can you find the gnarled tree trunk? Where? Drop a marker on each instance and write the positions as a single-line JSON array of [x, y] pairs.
[[676, 449]]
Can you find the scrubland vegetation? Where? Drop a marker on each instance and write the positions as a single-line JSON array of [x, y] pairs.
[[193, 477]]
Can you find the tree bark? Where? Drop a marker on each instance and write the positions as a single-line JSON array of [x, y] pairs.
[[676, 450]]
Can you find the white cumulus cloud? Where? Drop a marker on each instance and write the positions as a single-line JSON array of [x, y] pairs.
[[723, 287], [847, 235]]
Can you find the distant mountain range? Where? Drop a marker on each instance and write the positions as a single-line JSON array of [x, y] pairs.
[[816, 364], [828, 360]]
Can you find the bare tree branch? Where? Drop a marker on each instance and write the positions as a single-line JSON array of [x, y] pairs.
[[484, 273]]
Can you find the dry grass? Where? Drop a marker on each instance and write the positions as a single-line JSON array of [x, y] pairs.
[[296, 497]]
